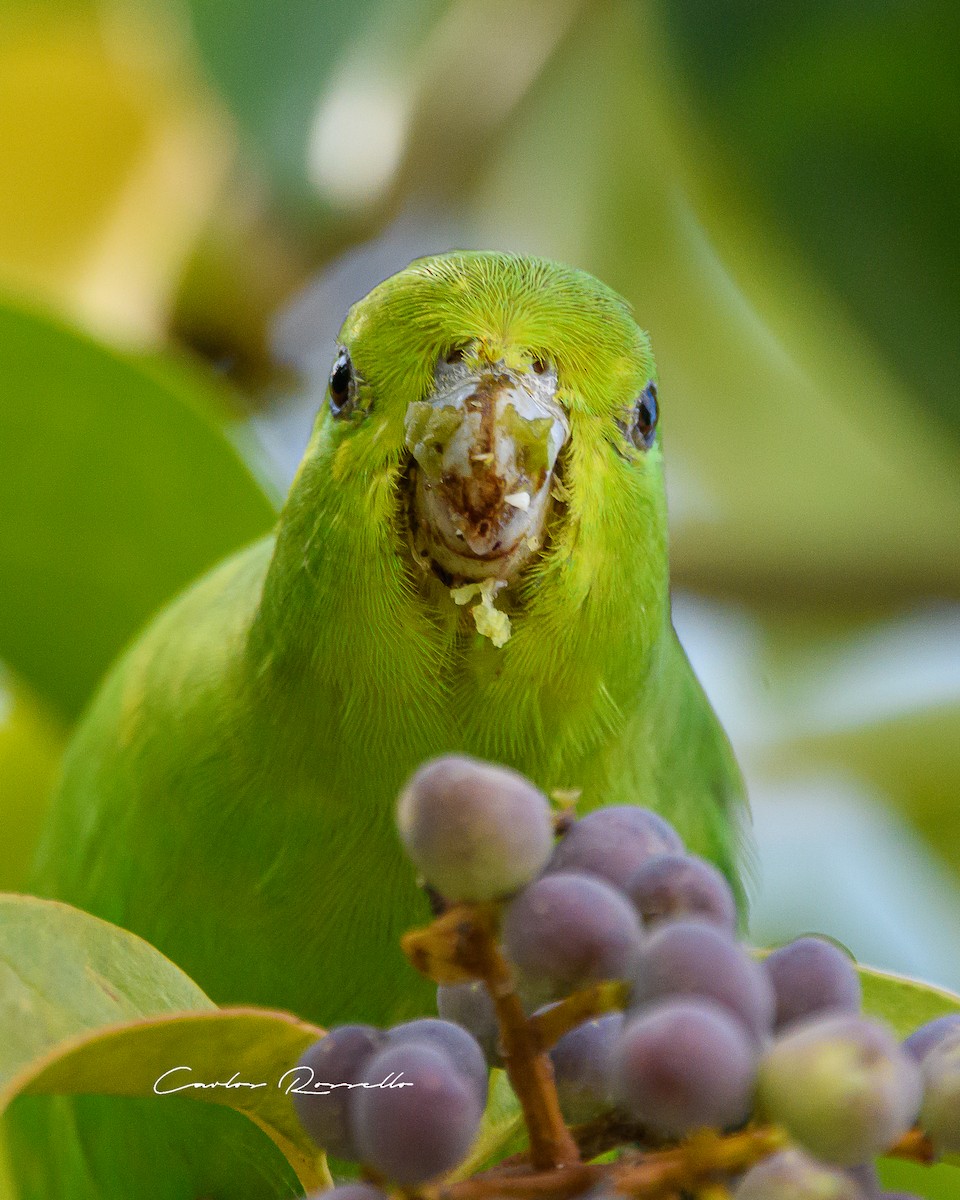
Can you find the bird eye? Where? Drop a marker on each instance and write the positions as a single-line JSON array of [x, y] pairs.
[[341, 377], [643, 425]]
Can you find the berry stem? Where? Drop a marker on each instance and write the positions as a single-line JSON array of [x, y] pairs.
[[693, 1166], [527, 1185], [528, 1069], [696, 1162], [550, 1025], [915, 1147], [462, 944]]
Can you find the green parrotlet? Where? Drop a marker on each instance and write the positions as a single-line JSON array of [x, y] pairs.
[[473, 557]]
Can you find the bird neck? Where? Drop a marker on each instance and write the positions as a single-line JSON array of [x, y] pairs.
[[351, 653]]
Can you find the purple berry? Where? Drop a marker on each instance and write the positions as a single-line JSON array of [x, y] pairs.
[[475, 830], [324, 1070], [613, 843], [461, 1048], [793, 1175], [810, 976], [566, 931], [684, 1065], [418, 1117], [691, 958], [923, 1040], [671, 886], [581, 1061]]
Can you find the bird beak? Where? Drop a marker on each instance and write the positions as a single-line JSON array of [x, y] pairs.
[[485, 445]]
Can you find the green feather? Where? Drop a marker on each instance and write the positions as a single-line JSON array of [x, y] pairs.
[[230, 793]]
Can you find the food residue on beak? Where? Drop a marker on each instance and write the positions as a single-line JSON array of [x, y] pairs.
[[519, 500], [486, 442], [489, 620]]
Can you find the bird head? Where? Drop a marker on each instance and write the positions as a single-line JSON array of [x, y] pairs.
[[490, 425], [481, 384], [475, 543]]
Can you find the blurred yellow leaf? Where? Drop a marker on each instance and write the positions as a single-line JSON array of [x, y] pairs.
[[111, 157]]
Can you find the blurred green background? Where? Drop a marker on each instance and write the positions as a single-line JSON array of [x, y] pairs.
[[191, 194]]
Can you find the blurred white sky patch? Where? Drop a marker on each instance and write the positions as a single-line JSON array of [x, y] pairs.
[[727, 646], [305, 333], [358, 135], [890, 670], [834, 857], [834, 860]]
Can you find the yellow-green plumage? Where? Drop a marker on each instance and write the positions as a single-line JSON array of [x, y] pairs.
[[230, 793]]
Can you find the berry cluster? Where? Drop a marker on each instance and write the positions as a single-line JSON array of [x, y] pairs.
[[602, 970], [420, 1122]]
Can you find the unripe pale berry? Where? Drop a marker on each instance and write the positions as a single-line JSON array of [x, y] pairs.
[[793, 1175], [476, 831], [940, 1114], [841, 1086]]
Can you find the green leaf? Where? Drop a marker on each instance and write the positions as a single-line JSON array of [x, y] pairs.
[[940, 1182], [90, 1009], [291, 72], [731, 314], [271, 67], [905, 1003], [117, 486], [30, 748], [8, 1189], [502, 1131], [146, 1058], [64, 973], [840, 121]]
